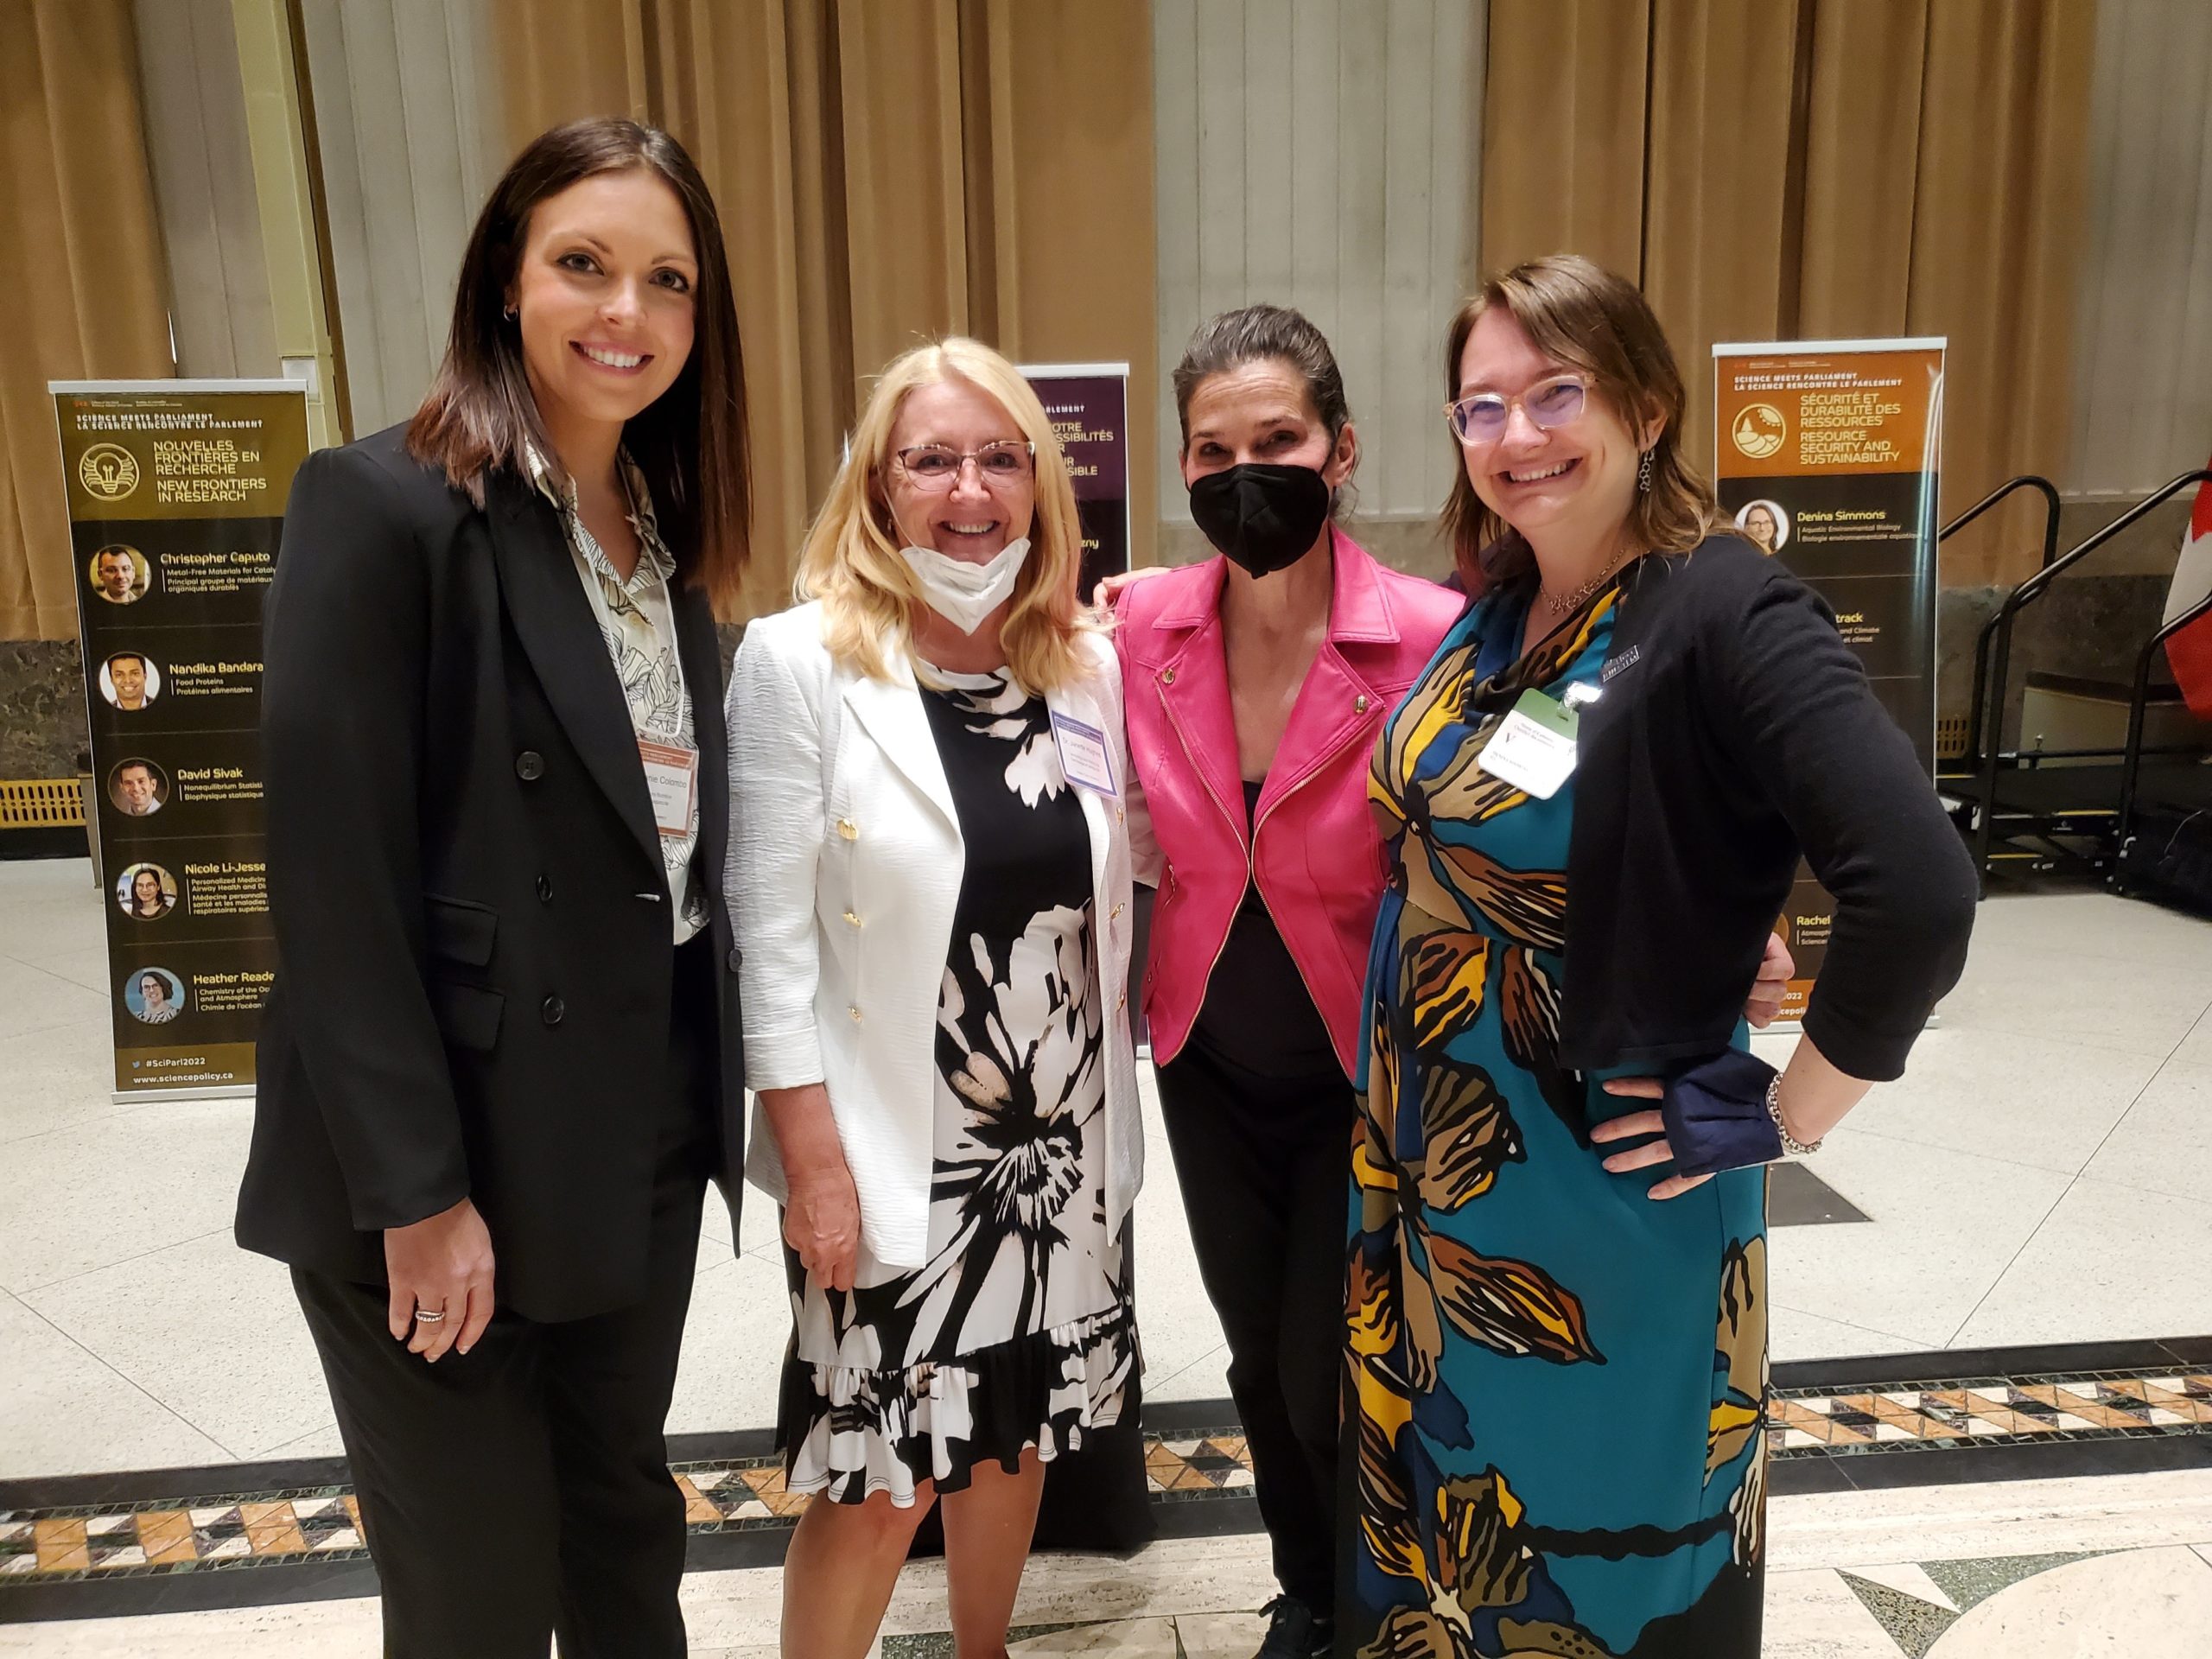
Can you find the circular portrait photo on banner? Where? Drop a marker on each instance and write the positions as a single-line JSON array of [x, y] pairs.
[[146, 892], [1765, 526], [154, 994], [120, 574], [138, 788], [129, 681]]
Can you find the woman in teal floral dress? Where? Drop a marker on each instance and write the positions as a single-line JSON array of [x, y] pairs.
[[1559, 1362]]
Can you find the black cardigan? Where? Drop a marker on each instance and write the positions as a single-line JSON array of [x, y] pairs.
[[1735, 728]]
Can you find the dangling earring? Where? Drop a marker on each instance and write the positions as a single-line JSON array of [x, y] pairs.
[[1643, 474], [509, 314]]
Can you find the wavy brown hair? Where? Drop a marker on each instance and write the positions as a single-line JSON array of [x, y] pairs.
[[480, 416], [1577, 313]]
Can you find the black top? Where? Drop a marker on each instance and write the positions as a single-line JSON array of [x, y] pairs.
[[1735, 727], [1028, 849], [477, 981], [1257, 1013]]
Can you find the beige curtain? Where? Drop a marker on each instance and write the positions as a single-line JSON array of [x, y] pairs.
[[1717, 179], [1826, 170], [82, 264], [1563, 112], [1997, 228], [885, 173]]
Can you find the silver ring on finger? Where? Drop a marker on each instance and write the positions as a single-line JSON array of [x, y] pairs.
[[424, 1316]]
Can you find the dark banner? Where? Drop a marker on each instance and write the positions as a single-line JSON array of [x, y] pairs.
[[1828, 459], [176, 499], [1088, 404]]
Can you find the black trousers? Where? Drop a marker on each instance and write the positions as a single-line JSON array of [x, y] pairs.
[[522, 1489], [1265, 1168]]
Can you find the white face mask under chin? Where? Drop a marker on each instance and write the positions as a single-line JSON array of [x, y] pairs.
[[965, 593]]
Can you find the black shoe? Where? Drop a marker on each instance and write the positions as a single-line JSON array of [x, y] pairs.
[[1294, 1632]]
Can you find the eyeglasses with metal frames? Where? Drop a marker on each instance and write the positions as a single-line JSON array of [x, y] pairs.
[[1482, 417], [936, 465]]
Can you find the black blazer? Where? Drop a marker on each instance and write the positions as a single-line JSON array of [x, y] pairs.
[[474, 989], [1734, 729]]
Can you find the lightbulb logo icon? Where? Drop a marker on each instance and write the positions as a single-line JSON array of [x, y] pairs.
[[108, 471], [1759, 430]]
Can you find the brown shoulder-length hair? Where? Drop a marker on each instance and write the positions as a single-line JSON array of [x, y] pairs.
[[1578, 313], [480, 416]]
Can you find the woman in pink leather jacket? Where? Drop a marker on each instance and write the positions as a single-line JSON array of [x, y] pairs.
[[1256, 684]]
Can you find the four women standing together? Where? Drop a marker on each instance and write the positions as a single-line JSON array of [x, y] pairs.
[[495, 1084]]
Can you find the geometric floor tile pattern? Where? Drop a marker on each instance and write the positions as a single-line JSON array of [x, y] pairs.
[[1957, 1417], [157, 1538], [1995, 1410]]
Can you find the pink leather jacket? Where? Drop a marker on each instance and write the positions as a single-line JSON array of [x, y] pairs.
[[1314, 851]]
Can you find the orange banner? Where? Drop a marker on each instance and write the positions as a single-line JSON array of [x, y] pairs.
[[1827, 454]]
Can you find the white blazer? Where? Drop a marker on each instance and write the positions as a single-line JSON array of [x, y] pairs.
[[845, 859]]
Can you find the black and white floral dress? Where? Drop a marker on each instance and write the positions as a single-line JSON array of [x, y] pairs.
[[1017, 1333]]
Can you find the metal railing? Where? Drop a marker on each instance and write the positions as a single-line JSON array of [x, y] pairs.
[[2137, 713], [2048, 491], [2000, 630]]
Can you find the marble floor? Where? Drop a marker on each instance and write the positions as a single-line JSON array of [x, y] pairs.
[[2044, 1174], [2104, 1567]]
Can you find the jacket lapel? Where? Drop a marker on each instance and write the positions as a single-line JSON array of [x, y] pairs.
[[553, 620], [891, 713], [1192, 682], [1337, 704]]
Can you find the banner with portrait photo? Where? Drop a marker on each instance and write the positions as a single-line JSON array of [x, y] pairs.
[[1828, 457], [176, 494], [1088, 404]]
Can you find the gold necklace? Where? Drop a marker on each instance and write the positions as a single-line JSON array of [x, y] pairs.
[[1574, 601]]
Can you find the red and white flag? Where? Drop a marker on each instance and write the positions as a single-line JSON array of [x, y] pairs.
[[2189, 652]]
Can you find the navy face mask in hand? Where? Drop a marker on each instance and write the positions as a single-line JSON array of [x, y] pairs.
[[1716, 1115], [1263, 516]]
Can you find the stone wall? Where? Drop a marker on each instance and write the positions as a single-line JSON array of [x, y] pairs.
[[41, 709]]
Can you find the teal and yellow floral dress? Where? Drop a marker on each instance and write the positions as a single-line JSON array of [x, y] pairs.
[[1558, 1384]]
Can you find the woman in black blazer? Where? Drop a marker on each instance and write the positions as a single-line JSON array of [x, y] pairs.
[[1595, 799], [500, 1060]]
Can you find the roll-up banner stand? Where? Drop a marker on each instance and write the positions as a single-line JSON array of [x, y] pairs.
[[176, 492], [1088, 404], [1829, 453]]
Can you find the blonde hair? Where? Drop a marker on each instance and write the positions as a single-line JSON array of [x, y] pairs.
[[871, 605]]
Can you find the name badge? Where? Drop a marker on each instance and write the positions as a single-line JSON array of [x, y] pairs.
[[1532, 748], [1085, 760], [672, 779]]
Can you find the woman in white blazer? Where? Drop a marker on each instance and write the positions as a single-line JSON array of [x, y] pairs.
[[930, 883]]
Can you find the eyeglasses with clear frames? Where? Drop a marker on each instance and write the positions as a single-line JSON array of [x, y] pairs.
[[934, 466], [1482, 418]]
